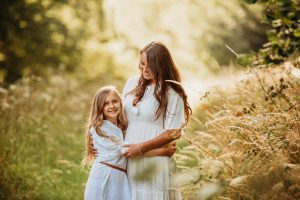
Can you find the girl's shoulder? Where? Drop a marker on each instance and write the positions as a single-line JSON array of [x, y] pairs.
[[108, 133], [111, 129], [92, 130]]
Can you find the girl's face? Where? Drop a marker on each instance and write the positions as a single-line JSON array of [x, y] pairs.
[[143, 66], [112, 107]]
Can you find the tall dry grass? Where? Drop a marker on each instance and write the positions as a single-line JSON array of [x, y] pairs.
[[242, 143], [248, 144]]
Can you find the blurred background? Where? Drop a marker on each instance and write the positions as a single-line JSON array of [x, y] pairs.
[[55, 54], [39, 37]]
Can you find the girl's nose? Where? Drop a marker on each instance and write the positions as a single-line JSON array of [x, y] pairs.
[[111, 105]]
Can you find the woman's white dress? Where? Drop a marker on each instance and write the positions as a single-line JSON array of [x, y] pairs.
[[150, 177], [104, 182]]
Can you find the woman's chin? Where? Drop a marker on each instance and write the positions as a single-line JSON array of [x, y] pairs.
[[147, 77]]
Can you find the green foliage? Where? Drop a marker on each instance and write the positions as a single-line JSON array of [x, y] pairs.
[[284, 34], [38, 35], [247, 35], [42, 128], [40, 148]]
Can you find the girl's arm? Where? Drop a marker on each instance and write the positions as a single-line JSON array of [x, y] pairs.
[[157, 142]]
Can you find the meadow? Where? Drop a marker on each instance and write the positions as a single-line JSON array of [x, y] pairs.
[[243, 139], [244, 142], [42, 136], [241, 143]]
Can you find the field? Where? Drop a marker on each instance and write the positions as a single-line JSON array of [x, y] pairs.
[[244, 142], [241, 143]]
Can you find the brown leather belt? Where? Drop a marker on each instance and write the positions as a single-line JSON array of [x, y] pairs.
[[115, 167]]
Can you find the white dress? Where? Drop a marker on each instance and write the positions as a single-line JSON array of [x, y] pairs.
[[104, 182], [149, 177]]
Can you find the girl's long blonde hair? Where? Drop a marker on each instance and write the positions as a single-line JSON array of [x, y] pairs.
[[96, 117]]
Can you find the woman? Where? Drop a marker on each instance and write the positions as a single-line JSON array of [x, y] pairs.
[[154, 107]]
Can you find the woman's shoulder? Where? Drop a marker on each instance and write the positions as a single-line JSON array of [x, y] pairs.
[[130, 84], [172, 92], [133, 80], [173, 96]]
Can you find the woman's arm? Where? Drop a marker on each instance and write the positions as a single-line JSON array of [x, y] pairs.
[[166, 147], [92, 149], [157, 142], [167, 150]]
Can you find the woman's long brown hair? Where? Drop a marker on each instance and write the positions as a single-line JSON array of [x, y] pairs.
[[163, 68], [96, 119]]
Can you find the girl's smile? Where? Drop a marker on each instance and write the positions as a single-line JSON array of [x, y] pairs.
[[112, 107]]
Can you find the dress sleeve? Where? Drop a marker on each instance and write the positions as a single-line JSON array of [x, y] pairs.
[[100, 140], [175, 111], [129, 85]]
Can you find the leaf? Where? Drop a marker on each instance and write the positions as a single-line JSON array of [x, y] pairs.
[[296, 33]]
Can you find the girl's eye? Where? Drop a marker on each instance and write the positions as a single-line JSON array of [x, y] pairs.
[[105, 103], [115, 101]]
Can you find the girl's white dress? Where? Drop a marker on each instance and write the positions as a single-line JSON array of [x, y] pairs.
[[150, 177], [104, 182]]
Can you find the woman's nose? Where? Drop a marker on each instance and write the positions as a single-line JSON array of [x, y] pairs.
[[144, 69]]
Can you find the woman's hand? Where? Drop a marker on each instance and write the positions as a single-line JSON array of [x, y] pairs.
[[174, 134], [92, 149], [169, 149], [134, 150]]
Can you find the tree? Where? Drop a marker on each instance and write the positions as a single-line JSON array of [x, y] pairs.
[[284, 35], [31, 39]]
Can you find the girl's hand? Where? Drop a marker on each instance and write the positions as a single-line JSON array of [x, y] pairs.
[[133, 150]]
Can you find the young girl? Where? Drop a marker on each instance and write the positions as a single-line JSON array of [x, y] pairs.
[[106, 126]]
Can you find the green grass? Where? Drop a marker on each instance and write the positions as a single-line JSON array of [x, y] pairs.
[[42, 128]]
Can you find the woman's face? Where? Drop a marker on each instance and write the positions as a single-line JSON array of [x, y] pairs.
[[143, 66], [112, 107]]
